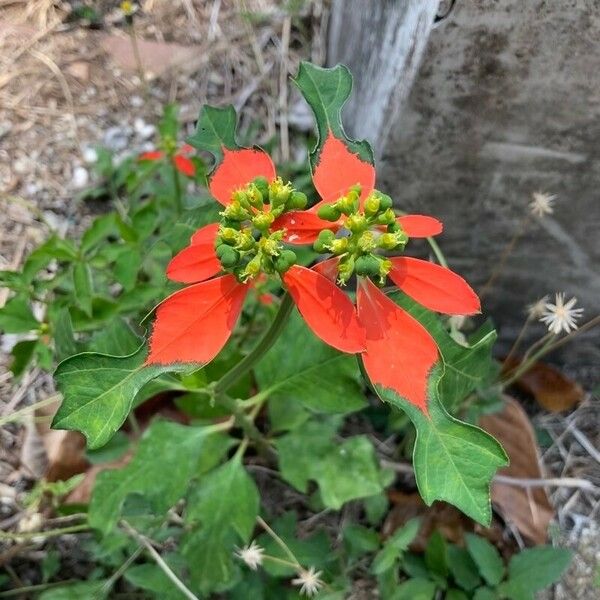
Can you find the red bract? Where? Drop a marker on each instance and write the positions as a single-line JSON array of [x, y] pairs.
[[400, 352], [193, 324], [181, 161]]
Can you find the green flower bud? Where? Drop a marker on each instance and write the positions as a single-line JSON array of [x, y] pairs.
[[367, 265], [388, 241], [228, 256], [263, 221], [279, 192], [252, 269], [235, 211], [366, 242], [339, 245], [372, 204], [328, 212], [348, 204], [345, 270], [385, 201], [245, 241], [322, 243], [229, 235], [263, 186], [356, 223], [269, 246], [297, 201], [387, 217], [254, 195], [285, 260]]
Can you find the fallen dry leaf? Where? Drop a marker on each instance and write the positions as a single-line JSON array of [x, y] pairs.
[[528, 508], [552, 389], [443, 517]]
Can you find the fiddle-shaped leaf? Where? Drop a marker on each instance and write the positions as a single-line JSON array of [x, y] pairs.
[[326, 91], [453, 461], [98, 391], [215, 130]]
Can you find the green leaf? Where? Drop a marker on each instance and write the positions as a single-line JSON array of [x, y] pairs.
[[395, 546], [533, 569], [360, 540], [22, 354], [83, 286], [126, 267], [115, 338], [225, 504], [64, 338], [215, 130], [466, 367], [114, 449], [487, 558], [54, 248], [75, 591], [344, 471], [453, 461], [101, 228], [415, 589], [299, 368], [463, 568], [98, 391], [326, 91], [152, 578], [169, 123], [17, 317], [455, 594], [485, 593], [169, 455], [436, 555]]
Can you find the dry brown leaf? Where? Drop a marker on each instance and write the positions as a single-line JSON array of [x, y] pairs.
[[527, 508], [65, 450], [440, 516], [553, 390]]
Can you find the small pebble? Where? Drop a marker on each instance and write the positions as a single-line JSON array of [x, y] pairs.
[[116, 138], [143, 129], [80, 177], [90, 155]]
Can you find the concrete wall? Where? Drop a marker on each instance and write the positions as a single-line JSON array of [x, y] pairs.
[[507, 102]]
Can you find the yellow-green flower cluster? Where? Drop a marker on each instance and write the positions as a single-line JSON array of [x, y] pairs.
[[366, 233], [245, 244]]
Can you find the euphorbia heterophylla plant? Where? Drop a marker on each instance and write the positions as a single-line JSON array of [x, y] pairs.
[[354, 227]]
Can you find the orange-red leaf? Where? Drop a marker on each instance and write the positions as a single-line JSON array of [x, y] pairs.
[[338, 169], [192, 325], [420, 226], [328, 268], [154, 155], [400, 351], [302, 227], [326, 309], [237, 169], [184, 165], [198, 261], [435, 287]]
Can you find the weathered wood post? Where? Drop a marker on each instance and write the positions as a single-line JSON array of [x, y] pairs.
[[382, 42]]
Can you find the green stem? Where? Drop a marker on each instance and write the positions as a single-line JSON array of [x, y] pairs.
[[43, 534], [177, 186], [521, 370], [246, 364], [438, 252]]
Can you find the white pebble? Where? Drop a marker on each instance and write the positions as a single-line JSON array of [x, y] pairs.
[[80, 177]]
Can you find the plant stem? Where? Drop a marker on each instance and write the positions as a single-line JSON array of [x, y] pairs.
[[438, 252], [279, 542], [27, 535], [24, 411], [280, 561], [508, 249], [246, 364], [177, 186], [158, 559], [119, 572], [517, 341], [526, 365]]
